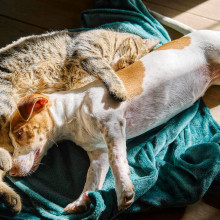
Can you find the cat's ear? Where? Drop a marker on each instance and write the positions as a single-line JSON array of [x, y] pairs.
[[32, 104], [151, 43]]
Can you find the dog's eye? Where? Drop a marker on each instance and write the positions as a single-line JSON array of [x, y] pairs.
[[19, 133]]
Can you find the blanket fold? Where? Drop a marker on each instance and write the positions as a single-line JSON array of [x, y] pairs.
[[172, 165]]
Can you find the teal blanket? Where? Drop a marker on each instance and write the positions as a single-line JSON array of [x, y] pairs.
[[172, 165]]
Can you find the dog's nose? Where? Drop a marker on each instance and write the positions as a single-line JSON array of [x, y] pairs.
[[14, 171]]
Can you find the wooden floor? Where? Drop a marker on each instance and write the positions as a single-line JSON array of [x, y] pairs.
[[25, 17], [199, 14]]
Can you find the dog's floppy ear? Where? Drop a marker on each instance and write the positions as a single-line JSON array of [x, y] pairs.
[[32, 104], [151, 43]]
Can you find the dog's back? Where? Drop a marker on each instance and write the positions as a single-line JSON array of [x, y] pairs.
[[170, 79]]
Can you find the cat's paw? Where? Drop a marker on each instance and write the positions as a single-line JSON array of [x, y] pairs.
[[125, 196], [121, 64], [10, 198], [80, 205], [13, 202], [119, 93], [5, 160]]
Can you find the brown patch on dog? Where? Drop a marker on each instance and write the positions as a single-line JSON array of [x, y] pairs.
[[24, 131], [109, 103], [180, 43], [32, 104], [132, 77], [16, 120], [35, 109]]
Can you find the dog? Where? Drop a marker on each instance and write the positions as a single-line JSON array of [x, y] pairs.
[[160, 85]]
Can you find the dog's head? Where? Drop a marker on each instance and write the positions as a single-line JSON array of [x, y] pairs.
[[30, 127]]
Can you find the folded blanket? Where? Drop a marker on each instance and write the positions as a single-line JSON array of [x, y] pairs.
[[172, 165]]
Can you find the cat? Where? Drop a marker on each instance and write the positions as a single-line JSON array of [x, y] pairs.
[[57, 61]]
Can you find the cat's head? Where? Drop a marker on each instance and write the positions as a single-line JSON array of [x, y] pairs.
[[132, 49], [30, 127]]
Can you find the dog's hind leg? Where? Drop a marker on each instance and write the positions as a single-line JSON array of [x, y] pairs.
[[95, 178]]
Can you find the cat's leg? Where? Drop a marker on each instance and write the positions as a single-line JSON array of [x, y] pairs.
[[99, 67], [11, 199], [115, 138], [95, 178], [5, 160], [7, 195], [120, 64]]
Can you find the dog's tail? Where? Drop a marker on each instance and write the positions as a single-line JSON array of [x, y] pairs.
[[174, 24]]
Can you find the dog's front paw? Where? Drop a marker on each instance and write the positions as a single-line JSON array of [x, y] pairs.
[[10, 198], [5, 160], [125, 196], [80, 205]]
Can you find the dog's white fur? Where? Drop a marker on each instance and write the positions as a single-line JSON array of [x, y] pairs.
[[173, 80]]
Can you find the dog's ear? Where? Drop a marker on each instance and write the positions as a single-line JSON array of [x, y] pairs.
[[151, 43], [32, 104]]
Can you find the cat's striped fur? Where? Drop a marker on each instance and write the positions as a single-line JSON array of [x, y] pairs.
[[60, 61]]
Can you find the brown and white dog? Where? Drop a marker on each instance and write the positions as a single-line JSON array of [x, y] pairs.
[[160, 85]]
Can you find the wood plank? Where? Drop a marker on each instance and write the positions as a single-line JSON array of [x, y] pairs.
[[194, 21], [50, 14], [203, 8], [212, 100], [11, 30], [197, 211], [173, 34]]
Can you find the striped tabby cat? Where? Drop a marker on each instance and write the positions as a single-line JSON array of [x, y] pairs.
[[60, 61]]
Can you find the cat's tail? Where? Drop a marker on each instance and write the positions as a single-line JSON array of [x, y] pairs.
[[174, 24]]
